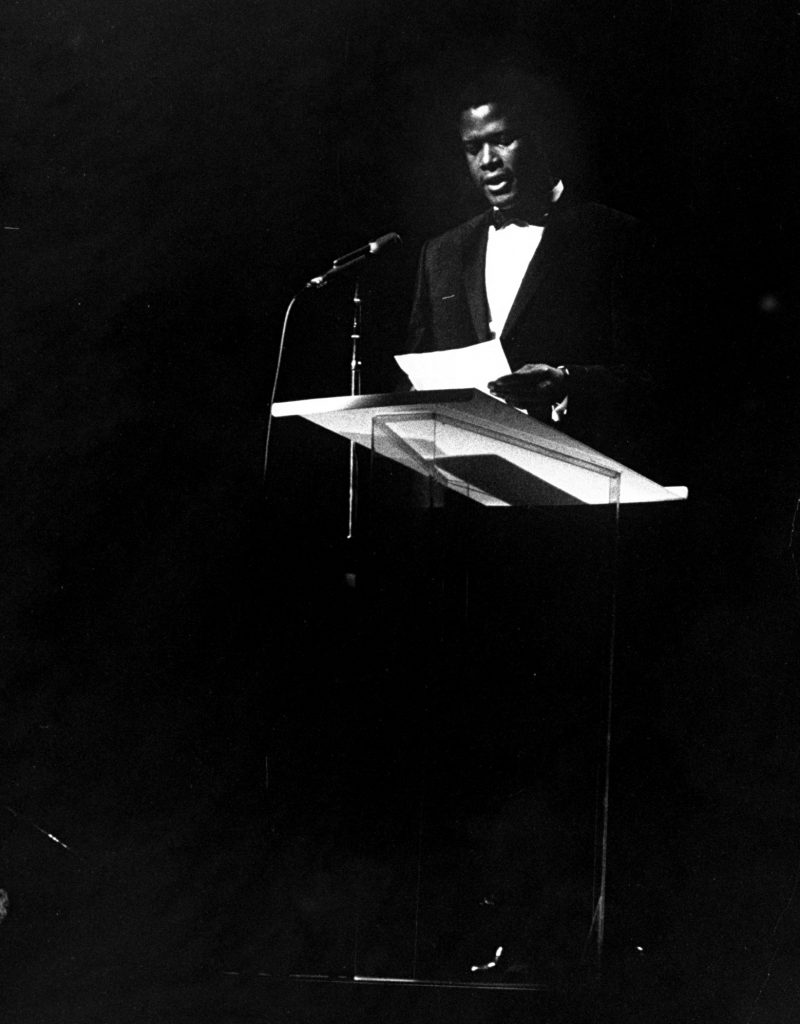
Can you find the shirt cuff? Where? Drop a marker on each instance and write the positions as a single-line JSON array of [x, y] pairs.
[[559, 411]]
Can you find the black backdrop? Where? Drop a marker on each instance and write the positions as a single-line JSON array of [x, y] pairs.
[[172, 175]]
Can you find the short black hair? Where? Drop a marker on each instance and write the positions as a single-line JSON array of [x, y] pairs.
[[507, 84]]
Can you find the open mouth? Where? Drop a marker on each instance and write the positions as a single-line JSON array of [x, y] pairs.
[[497, 186]]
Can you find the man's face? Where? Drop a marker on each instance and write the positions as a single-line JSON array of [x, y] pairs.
[[503, 158]]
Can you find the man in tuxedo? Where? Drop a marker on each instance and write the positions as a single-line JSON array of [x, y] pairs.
[[565, 285], [569, 288]]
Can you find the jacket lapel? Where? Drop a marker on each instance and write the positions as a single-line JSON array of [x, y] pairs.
[[538, 271], [474, 276]]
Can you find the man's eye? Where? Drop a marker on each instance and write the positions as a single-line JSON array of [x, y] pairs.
[[502, 141]]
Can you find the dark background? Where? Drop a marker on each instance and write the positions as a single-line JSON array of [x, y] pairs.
[[173, 173]]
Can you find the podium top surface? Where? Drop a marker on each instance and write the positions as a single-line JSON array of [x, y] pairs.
[[482, 423]]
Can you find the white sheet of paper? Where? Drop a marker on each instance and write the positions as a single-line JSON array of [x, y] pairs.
[[470, 367]]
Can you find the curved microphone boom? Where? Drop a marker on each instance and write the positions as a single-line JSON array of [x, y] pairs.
[[352, 259]]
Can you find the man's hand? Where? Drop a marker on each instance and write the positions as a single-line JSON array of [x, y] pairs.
[[536, 387]]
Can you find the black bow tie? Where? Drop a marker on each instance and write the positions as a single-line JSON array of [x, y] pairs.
[[522, 217]]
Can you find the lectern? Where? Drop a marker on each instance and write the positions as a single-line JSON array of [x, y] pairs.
[[477, 446], [485, 690]]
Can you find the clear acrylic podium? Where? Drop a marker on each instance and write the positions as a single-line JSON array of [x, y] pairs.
[[477, 446], [482, 690]]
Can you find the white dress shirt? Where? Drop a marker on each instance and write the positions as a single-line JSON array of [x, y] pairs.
[[509, 251]]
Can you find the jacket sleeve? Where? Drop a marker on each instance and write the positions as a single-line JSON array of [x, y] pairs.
[[619, 405]]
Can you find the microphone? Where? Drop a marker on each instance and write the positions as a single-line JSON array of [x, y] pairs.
[[352, 259]]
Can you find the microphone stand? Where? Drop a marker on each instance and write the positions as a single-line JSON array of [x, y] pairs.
[[355, 389], [347, 262]]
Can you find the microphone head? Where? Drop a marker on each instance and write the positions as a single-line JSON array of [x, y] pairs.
[[384, 242]]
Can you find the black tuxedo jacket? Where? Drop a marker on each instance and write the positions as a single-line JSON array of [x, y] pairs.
[[587, 302]]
